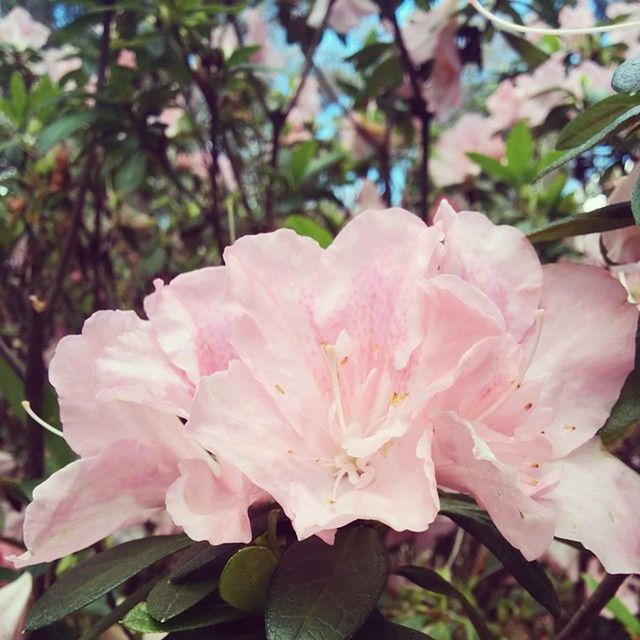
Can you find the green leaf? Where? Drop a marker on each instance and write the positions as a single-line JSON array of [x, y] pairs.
[[168, 599], [98, 575], [244, 581], [242, 55], [491, 166], [131, 174], [11, 388], [530, 575], [379, 628], [62, 129], [519, 150], [321, 163], [370, 54], [635, 202], [625, 414], [300, 159], [387, 74], [432, 581], [326, 592], [19, 97], [597, 121], [201, 560], [531, 54], [304, 226], [206, 614], [614, 216], [626, 78]]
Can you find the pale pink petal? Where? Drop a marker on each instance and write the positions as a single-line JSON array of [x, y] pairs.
[[585, 351], [597, 504], [14, 603], [191, 323], [91, 498], [498, 260], [464, 462], [209, 507]]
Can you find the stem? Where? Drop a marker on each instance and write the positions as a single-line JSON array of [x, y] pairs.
[[590, 609], [34, 390], [85, 180], [11, 359], [420, 109]]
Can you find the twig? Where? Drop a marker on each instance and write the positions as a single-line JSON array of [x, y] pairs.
[[590, 609], [12, 359], [420, 107], [279, 118], [85, 180]]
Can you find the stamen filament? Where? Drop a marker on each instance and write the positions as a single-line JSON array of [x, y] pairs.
[[36, 418]]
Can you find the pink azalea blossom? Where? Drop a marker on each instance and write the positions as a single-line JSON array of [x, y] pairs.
[[422, 31], [444, 351], [369, 197], [127, 58], [57, 62], [629, 37], [345, 14], [472, 132], [20, 31], [123, 386], [14, 602], [362, 136]]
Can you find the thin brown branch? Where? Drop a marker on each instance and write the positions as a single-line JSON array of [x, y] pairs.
[[420, 108], [85, 180], [590, 609]]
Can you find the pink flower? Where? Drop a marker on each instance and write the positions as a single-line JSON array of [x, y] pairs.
[[57, 62], [362, 136], [368, 197], [14, 602], [170, 117], [472, 132], [20, 31], [444, 351], [345, 14], [127, 58], [629, 11], [123, 386], [422, 32]]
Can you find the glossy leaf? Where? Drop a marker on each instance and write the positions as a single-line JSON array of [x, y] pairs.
[[432, 581], [306, 227], [62, 129], [168, 599], [244, 581], [492, 167], [379, 628], [201, 560], [615, 216], [206, 614], [98, 575], [326, 592], [530, 575], [519, 150], [532, 55]]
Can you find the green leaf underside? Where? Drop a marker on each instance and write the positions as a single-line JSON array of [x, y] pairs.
[[203, 615], [530, 575], [98, 575], [327, 592], [432, 581], [615, 216], [244, 581]]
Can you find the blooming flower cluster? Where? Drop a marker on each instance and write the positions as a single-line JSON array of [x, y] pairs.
[[352, 383]]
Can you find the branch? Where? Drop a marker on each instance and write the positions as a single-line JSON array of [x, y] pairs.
[[590, 609], [421, 109], [85, 180]]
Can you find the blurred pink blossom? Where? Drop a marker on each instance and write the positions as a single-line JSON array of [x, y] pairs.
[[369, 197], [471, 133], [422, 32], [345, 14], [57, 62], [20, 31], [127, 58], [14, 603]]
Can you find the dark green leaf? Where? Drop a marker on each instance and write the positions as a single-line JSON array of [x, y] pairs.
[[300, 158], [531, 54], [614, 216], [205, 614], [131, 174], [168, 599], [201, 560], [387, 74], [19, 97], [11, 388], [244, 581], [432, 581], [242, 55], [519, 150], [370, 54], [62, 129], [530, 575], [597, 121], [114, 616], [625, 414], [626, 78], [326, 592], [98, 575], [307, 227], [379, 628]]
